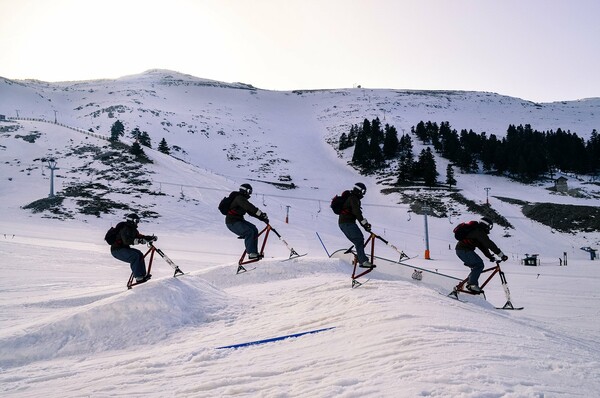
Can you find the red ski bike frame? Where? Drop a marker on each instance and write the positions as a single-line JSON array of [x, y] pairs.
[[371, 239], [460, 288], [152, 249], [266, 231]]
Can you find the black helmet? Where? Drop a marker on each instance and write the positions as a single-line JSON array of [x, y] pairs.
[[487, 222], [246, 190], [360, 189], [134, 218]]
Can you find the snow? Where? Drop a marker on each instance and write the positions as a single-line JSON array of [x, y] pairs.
[[71, 328]]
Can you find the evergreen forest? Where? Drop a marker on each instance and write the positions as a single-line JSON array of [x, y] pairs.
[[524, 154]]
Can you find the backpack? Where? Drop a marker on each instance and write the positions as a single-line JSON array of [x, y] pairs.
[[338, 202], [225, 203], [462, 229], [112, 233]]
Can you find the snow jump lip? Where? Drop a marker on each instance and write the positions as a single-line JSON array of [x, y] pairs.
[[387, 268], [270, 340]]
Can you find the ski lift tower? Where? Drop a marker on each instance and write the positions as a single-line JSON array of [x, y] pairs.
[[425, 211], [52, 167], [487, 194]]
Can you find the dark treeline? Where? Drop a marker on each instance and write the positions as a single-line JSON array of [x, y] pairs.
[[141, 138], [523, 153], [374, 146]]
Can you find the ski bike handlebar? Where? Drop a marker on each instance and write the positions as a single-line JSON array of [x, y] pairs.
[[372, 237]]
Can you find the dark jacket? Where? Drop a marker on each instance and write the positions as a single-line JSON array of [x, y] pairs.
[[478, 239], [351, 210], [128, 232], [239, 207]]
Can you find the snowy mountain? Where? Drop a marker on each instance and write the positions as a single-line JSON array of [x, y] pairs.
[[71, 328]]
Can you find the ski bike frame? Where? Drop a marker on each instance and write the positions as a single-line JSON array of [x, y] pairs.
[[460, 288], [266, 230], [371, 239], [152, 249]]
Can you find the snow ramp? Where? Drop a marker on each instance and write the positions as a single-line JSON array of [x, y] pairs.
[[394, 270], [145, 315]]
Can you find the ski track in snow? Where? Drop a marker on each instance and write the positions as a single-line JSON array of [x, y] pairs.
[[390, 338]]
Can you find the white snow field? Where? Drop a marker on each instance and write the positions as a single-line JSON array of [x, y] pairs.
[[71, 328]]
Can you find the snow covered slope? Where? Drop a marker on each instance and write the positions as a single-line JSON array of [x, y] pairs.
[[71, 328]]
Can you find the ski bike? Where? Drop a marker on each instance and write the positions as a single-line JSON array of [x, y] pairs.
[[371, 239], [151, 250], [460, 288], [266, 230]]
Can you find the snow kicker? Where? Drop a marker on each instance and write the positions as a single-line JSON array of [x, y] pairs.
[[390, 269]]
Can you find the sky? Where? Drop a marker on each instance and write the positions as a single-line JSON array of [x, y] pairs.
[[539, 50]]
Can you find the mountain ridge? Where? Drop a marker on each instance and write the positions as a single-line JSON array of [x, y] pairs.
[[242, 133]]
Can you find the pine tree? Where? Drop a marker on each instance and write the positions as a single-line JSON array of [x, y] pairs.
[[376, 129], [137, 150], [375, 154], [488, 151], [135, 134], [390, 142], [353, 134], [432, 130], [117, 130], [366, 128], [449, 142], [360, 157], [593, 150], [145, 139], [465, 161], [450, 180], [406, 164], [421, 132], [163, 147], [343, 142], [426, 167]]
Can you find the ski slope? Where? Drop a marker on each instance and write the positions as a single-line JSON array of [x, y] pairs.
[[71, 328]]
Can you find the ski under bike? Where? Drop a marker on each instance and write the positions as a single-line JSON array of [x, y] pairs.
[[460, 288], [372, 237], [151, 250], [266, 230]]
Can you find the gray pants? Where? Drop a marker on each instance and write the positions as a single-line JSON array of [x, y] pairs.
[[248, 232], [473, 261], [354, 235], [134, 257]]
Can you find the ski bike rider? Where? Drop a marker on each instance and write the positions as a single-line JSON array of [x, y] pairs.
[[235, 222], [350, 213], [477, 238], [128, 234]]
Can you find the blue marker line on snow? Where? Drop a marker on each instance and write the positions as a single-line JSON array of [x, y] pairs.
[[323, 244], [274, 339]]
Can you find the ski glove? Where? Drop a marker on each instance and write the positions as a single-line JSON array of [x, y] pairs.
[[151, 238], [262, 216], [139, 241], [503, 257], [366, 225]]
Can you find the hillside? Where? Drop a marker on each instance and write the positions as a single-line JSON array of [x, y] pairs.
[[243, 133], [71, 327]]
